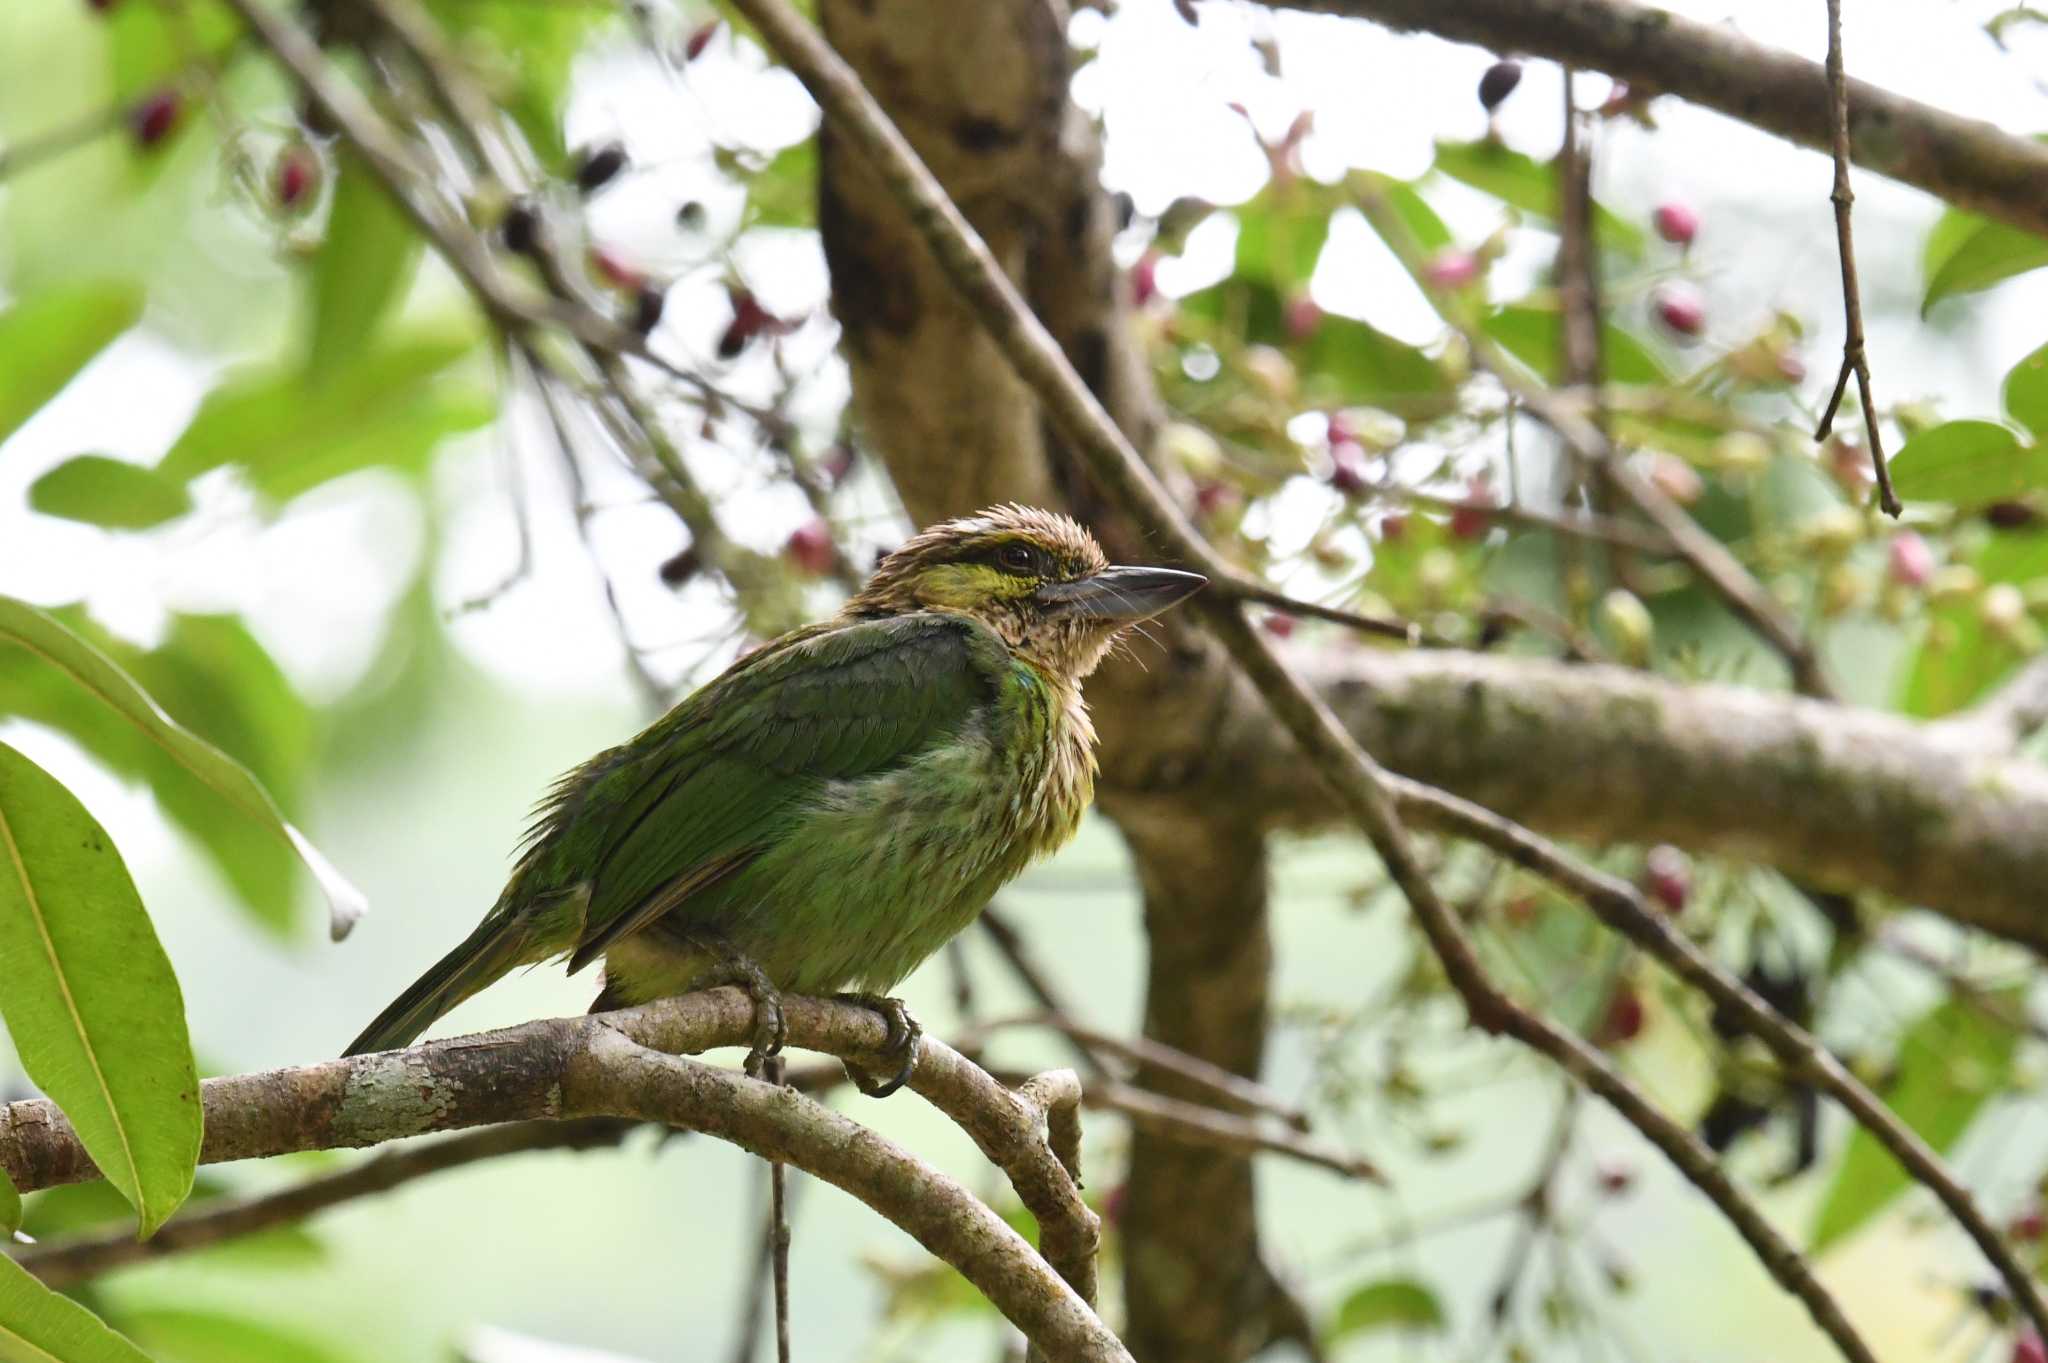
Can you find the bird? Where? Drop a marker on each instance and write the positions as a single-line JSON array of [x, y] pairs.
[[837, 804]]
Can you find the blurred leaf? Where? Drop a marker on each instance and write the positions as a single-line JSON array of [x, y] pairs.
[[109, 492], [50, 336], [185, 1335], [388, 407], [1949, 1061], [1959, 659], [148, 45], [1415, 213], [10, 1207], [1965, 253], [361, 270], [1535, 336], [91, 1001], [1530, 185], [1369, 366], [2026, 392], [784, 193], [530, 51], [1969, 463], [73, 1208], [155, 744], [38, 1325], [1280, 234], [1390, 1304]]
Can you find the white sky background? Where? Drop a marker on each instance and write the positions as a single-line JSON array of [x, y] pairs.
[[315, 582]]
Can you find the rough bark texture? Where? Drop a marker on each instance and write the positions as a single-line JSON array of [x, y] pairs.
[[1966, 161], [981, 91]]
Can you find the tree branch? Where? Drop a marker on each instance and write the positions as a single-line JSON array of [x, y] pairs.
[[624, 1065], [1965, 161]]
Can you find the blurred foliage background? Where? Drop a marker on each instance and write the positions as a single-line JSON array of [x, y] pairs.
[[258, 447]]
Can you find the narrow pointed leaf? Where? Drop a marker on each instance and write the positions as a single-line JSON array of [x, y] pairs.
[[38, 1325], [361, 271], [1966, 253], [52, 336], [1530, 185], [91, 1001], [36, 636], [111, 493], [2026, 393]]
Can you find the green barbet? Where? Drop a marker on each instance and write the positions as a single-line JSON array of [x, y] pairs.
[[837, 804]]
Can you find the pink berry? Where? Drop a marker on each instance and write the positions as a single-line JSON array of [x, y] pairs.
[[2028, 1226], [1614, 1175], [1667, 876], [1279, 626], [2027, 1347], [1337, 430], [1676, 223], [810, 548], [1393, 526], [1911, 561], [1145, 279], [1348, 473], [1676, 479], [1303, 317], [1213, 498], [1790, 367], [1474, 516], [154, 116], [1450, 269], [1623, 1020], [698, 40], [295, 177], [1681, 307]]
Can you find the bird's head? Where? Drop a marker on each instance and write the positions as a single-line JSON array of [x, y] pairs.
[[1034, 577]]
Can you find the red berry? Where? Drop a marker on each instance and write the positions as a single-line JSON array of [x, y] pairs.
[[1498, 83], [1450, 269], [1472, 518], [810, 548], [154, 116], [749, 320], [1393, 526], [1667, 875], [1303, 317], [2028, 1226], [1614, 1175], [1623, 1020], [1911, 561], [1676, 223], [1348, 472], [698, 40], [1213, 498], [1145, 279], [1681, 307], [2027, 1348], [295, 177], [1279, 626]]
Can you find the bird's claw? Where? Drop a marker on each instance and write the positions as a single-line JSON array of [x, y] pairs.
[[771, 1029], [904, 1033]]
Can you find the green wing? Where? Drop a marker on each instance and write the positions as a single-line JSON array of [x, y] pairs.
[[701, 793]]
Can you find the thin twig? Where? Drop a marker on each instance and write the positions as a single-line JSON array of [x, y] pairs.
[[1854, 360], [773, 1071], [1361, 785]]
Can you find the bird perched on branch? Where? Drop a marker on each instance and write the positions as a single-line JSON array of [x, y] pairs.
[[837, 804]]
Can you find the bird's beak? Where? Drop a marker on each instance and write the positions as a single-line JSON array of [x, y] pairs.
[[1120, 594]]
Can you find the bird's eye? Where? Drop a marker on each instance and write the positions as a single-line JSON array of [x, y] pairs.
[[1016, 558]]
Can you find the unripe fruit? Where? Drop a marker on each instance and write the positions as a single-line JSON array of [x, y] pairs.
[[1832, 531], [1622, 1021], [1303, 317], [595, 167], [1450, 269], [2027, 1347], [2028, 1226], [810, 548], [154, 116], [1272, 371], [1909, 560], [1676, 223], [1681, 308], [1667, 876], [1676, 479], [1741, 452], [295, 178], [1498, 83], [1953, 583], [1628, 620], [1474, 515], [1393, 526]]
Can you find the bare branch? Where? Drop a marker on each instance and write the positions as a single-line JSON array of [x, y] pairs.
[[1854, 361]]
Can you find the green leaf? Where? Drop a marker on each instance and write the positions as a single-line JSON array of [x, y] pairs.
[[1965, 253], [388, 408], [91, 1001], [10, 1207], [74, 1207], [361, 270], [1390, 1304], [1535, 336], [37, 635], [1530, 185], [48, 338], [1368, 366], [1280, 234], [109, 492], [2026, 392], [532, 49], [184, 1335], [1959, 659], [784, 193], [1949, 1061], [38, 1325], [1968, 463]]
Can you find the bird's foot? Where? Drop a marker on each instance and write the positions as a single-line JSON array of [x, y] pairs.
[[771, 1031], [904, 1033]]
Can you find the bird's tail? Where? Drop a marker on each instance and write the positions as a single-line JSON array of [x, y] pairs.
[[494, 948]]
